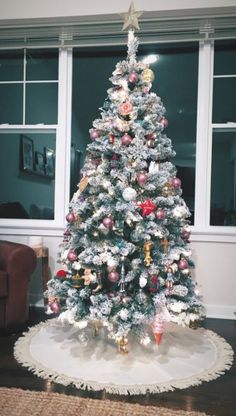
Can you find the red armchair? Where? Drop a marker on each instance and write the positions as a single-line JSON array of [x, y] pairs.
[[17, 263]]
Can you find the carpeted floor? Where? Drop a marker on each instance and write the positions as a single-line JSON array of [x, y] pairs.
[[18, 402]]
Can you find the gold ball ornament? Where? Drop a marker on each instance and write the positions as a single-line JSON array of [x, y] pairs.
[[147, 75]]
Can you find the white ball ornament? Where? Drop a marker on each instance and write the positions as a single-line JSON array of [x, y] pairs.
[[129, 194]]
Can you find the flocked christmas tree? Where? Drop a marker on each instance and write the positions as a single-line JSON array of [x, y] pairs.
[[125, 256]]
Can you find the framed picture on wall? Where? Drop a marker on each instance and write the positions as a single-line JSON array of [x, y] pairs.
[[49, 160], [39, 163], [27, 153]]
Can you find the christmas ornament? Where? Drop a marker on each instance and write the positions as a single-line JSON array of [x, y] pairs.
[[126, 139], [108, 222], [151, 136], [147, 252], [133, 77], [122, 277], [165, 245], [77, 281], [131, 19], [113, 276], [142, 281], [99, 283], [72, 256], [160, 214], [147, 75], [176, 182], [150, 144], [147, 207], [169, 279], [125, 108], [153, 283], [111, 138], [61, 274], [157, 329], [83, 183], [142, 178], [70, 217], [164, 122], [54, 305], [94, 134], [183, 264], [67, 235], [145, 89], [129, 194], [167, 190], [87, 277], [122, 345], [185, 234]]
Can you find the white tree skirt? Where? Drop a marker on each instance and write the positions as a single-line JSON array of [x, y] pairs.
[[185, 357]]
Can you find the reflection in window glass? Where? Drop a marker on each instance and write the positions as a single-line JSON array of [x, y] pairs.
[[26, 193], [11, 65], [223, 180], [41, 65], [41, 103], [11, 103], [91, 72]]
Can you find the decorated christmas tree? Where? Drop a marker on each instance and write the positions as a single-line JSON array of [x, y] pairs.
[[126, 258]]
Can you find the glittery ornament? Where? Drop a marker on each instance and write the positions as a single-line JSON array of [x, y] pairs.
[[176, 182], [147, 75], [147, 252], [70, 217], [147, 207], [151, 136], [164, 122], [113, 276], [129, 194], [126, 139], [108, 222], [55, 306], [72, 256], [133, 77], [183, 264], [122, 345], [94, 134], [142, 178], [125, 108], [160, 214]]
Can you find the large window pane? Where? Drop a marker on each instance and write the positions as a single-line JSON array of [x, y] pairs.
[[225, 57], [223, 182], [42, 65], [11, 103], [41, 103], [11, 65], [176, 83], [224, 99], [25, 193]]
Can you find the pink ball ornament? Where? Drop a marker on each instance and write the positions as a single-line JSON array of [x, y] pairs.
[[70, 217], [133, 77], [185, 234], [183, 264], [142, 178], [151, 136], [164, 122], [72, 256], [160, 214], [55, 306], [94, 134], [113, 277], [126, 139], [107, 222], [176, 182]]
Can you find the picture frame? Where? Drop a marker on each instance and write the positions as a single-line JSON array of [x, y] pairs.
[[39, 163], [27, 154], [49, 160]]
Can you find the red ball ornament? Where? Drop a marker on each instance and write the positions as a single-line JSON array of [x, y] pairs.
[[107, 222], [94, 134], [142, 178], [133, 77], [113, 276], [55, 306], [183, 264], [72, 256], [160, 214], [164, 122], [176, 182], [126, 139], [70, 217], [61, 273]]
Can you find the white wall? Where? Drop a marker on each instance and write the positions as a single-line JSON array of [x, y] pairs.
[[15, 9]]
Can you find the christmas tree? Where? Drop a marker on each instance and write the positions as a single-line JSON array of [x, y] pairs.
[[126, 256]]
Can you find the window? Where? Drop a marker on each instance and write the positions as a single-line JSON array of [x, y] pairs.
[[176, 82]]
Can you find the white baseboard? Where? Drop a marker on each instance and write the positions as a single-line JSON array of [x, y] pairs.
[[221, 311]]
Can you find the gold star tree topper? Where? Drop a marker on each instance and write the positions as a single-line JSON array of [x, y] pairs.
[[131, 18]]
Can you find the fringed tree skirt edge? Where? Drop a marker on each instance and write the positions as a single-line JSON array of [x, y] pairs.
[[61, 354]]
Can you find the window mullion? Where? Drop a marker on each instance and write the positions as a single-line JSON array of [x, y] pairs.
[[24, 86], [204, 136]]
